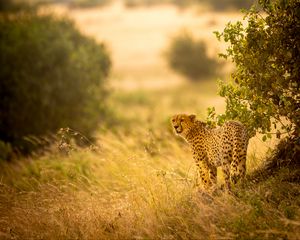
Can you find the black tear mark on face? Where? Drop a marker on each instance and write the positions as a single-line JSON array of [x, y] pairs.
[[177, 125]]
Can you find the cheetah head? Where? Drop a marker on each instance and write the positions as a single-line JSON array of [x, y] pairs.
[[182, 123]]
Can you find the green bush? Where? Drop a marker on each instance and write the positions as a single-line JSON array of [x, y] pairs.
[[264, 91], [188, 57], [51, 76]]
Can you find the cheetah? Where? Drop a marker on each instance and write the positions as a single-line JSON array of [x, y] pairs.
[[224, 147]]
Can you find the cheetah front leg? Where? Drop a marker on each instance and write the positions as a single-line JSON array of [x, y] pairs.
[[238, 164], [238, 169], [208, 174], [227, 158], [226, 175]]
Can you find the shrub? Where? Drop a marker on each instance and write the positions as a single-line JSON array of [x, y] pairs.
[[51, 76], [188, 57], [264, 91]]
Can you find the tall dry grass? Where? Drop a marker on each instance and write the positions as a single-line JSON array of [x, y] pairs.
[[136, 192], [138, 184]]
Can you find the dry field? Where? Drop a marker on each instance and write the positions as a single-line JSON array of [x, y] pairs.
[[137, 39], [139, 180]]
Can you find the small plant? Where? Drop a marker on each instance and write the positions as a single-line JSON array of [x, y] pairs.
[[188, 57], [69, 140]]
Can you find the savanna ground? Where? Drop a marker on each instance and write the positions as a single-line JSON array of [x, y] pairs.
[[138, 181]]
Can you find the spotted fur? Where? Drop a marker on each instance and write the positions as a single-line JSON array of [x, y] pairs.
[[224, 147]]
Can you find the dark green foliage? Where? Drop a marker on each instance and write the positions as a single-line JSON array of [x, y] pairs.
[[6, 6], [264, 91], [188, 57], [51, 76], [15, 6]]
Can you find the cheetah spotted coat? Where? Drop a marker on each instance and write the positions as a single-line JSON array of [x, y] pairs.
[[224, 147]]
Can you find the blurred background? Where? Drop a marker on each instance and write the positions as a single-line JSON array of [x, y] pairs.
[[149, 41], [87, 90], [93, 65], [108, 64]]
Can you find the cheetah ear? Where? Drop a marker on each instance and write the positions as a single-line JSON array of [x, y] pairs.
[[192, 117]]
